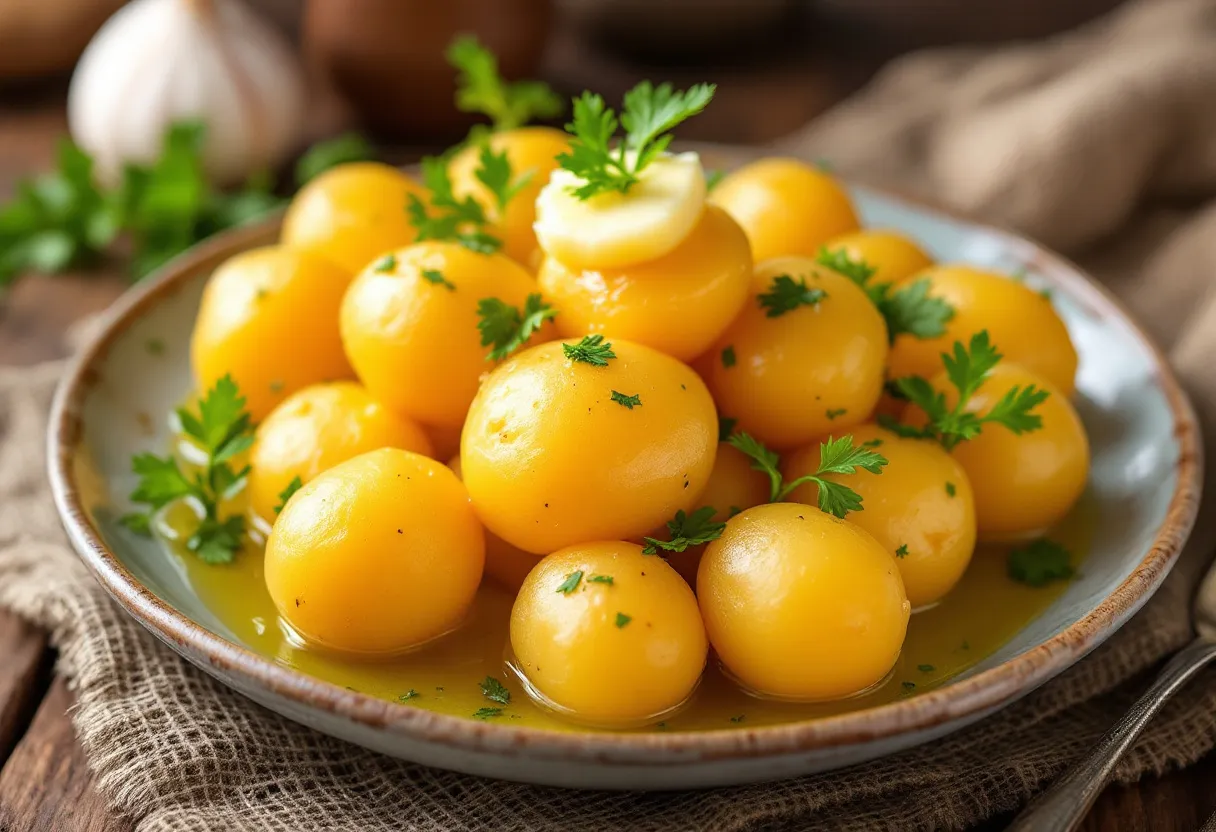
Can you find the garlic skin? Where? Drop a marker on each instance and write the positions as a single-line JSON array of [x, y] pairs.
[[156, 62]]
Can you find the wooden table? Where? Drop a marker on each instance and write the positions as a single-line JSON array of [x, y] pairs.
[[45, 783]]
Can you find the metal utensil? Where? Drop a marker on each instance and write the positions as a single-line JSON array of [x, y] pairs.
[[1063, 806]]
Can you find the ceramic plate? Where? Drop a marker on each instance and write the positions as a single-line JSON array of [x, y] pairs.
[[1144, 485]]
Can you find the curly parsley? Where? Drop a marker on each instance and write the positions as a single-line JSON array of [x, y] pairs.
[[786, 294], [909, 309], [591, 350], [506, 327], [687, 530]]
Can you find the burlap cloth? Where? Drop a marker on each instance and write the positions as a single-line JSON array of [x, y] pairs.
[[1101, 143]]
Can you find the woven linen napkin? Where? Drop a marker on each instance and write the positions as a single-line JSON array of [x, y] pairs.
[[1101, 143]]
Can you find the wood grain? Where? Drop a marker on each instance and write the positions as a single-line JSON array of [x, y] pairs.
[[24, 676]]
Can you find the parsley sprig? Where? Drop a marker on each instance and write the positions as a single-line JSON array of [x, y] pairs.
[[785, 294], [494, 171], [222, 430], [967, 368], [1040, 562], [687, 530], [648, 114], [461, 220], [495, 691], [481, 89], [591, 350], [909, 309], [836, 456], [507, 327], [292, 487]]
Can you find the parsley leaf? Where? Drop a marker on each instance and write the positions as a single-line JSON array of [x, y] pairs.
[[435, 276], [480, 89], [340, 150], [508, 328], [385, 264], [629, 402], [649, 112], [785, 295], [967, 368], [728, 357], [836, 456], [495, 691], [292, 487], [591, 350], [713, 178], [950, 489], [487, 713], [601, 579], [902, 551], [622, 619], [1039, 563], [687, 530], [571, 583], [461, 220], [907, 309], [726, 426], [841, 262], [408, 695], [494, 171]]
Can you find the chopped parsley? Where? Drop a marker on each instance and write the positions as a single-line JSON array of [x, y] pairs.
[[926, 668], [591, 350], [507, 328], [385, 264], [908, 685], [950, 489], [571, 583], [487, 713], [292, 487], [648, 114], [909, 309], [408, 695], [495, 691], [726, 426], [728, 357], [836, 456], [629, 402], [967, 369], [622, 619], [1039, 563], [833, 414], [687, 530], [902, 551], [786, 294], [436, 277], [601, 579], [872, 443]]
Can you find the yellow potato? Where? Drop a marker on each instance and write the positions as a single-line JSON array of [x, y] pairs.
[[508, 565], [920, 508], [892, 255], [811, 371], [800, 605], [551, 459], [352, 214], [787, 207], [1021, 323], [267, 318], [377, 555], [677, 304], [315, 429], [614, 653]]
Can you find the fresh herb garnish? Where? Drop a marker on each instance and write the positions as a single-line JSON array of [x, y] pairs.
[[836, 413], [495, 691], [908, 309], [461, 221], [222, 430], [591, 350], [836, 456], [408, 695], [506, 327], [571, 583], [786, 294], [902, 551], [601, 579], [713, 178], [872, 443], [385, 264], [950, 489], [687, 530], [925, 668], [728, 357], [340, 150], [494, 171], [487, 713], [622, 619], [480, 88], [1039, 563], [648, 114], [436, 277], [292, 487], [967, 369], [629, 402], [908, 685], [726, 426]]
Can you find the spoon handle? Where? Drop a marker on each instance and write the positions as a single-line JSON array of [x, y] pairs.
[[1062, 807]]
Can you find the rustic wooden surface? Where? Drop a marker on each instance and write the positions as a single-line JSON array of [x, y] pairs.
[[45, 783]]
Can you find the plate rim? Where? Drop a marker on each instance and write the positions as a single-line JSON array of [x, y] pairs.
[[986, 691]]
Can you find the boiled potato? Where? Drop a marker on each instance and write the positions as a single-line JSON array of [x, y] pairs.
[[558, 451], [813, 370], [920, 509], [607, 635], [267, 318], [787, 207], [1026, 483], [1020, 321], [892, 255], [377, 555], [316, 428], [508, 565], [800, 605], [413, 339], [532, 152], [677, 304], [352, 214]]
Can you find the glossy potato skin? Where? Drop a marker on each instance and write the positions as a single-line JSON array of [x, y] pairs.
[[785, 206], [678, 303], [908, 504], [415, 344], [377, 555], [790, 371], [572, 652], [1021, 323], [800, 605], [316, 428], [506, 565], [352, 213], [1023, 484], [892, 255], [542, 425], [255, 309], [532, 152]]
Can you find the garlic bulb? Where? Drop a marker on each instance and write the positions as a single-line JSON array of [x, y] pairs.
[[156, 62]]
